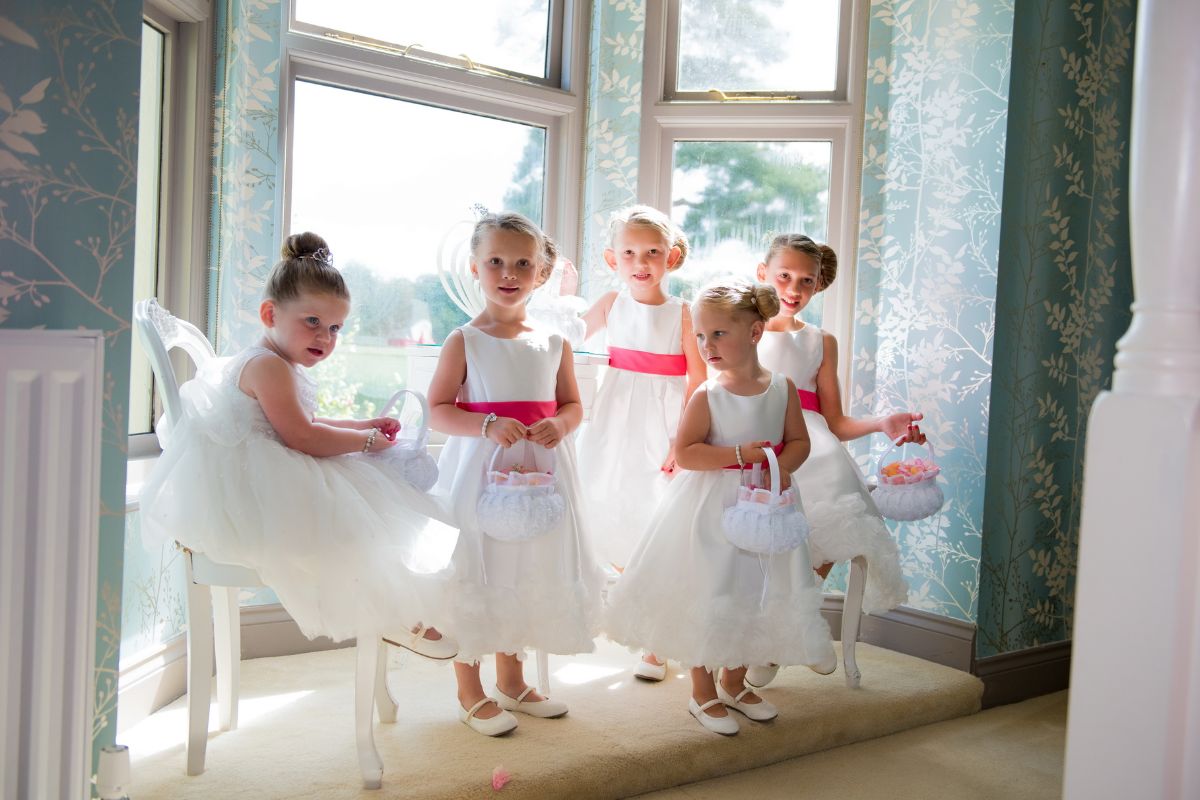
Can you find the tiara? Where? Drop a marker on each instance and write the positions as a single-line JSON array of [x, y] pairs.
[[321, 254], [480, 210]]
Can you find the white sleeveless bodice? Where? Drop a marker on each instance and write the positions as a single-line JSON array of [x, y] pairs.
[[796, 354], [507, 370], [735, 419], [650, 329]]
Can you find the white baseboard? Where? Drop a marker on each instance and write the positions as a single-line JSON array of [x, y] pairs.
[[159, 675]]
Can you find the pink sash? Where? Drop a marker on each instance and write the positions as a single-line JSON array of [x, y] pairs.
[[778, 448], [809, 400], [525, 412], [648, 363]]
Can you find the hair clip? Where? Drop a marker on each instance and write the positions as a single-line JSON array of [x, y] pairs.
[[323, 255], [480, 210]]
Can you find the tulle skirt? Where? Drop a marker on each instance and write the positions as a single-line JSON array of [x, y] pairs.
[[621, 452], [343, 541], [844, 520], [543, 593], [689, 595]]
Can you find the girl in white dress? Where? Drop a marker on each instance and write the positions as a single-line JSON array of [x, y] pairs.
[[688, 593], [501, 383], [625, 451], [250, 475], [844, 520]]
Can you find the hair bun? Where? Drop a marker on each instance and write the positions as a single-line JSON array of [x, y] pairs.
[[766, 300], [301, 245]]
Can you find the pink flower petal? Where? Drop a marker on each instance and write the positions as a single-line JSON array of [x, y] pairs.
[[500, 777]]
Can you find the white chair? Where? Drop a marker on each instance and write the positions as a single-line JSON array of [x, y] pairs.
[[851, 618], [212, 585]]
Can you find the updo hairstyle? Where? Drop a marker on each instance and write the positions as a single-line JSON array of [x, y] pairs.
[[306, 265], [757, 298], [546, 251], [821, 253]]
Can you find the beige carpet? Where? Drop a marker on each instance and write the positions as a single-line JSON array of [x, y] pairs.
[[1008, 753], [622, 737]]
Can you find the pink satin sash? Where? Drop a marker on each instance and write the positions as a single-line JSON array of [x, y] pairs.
[[648, 363], [778, 448], [809, 400], [525, 412]]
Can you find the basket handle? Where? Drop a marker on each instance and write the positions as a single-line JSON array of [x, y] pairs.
[[756, 472], [898, 444], [525, 457], [394, 401]]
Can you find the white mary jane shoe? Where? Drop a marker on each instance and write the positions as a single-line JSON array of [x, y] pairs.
[[545, 709], [650, 672], [827, 665], [442, 649], [726, 725], [761, 711], [498, 725], [758, 677]]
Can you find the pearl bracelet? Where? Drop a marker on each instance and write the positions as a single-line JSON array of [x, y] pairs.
[[370, 439], [488, 420], [737, 453]]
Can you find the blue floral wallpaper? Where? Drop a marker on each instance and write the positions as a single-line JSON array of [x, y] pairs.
[[69, 80], [614, 106], [1063, 301], [933, 156]]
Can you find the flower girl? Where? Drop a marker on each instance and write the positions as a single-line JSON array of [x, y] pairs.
[[688, 592], [250, 476], [505, 392]]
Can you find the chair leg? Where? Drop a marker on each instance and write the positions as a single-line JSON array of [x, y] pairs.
[[851, 617], [543, 669], [199, 669], [385, 701], [228, 627], [365, 682]]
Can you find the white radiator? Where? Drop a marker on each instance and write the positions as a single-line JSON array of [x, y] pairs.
[[51, 388]]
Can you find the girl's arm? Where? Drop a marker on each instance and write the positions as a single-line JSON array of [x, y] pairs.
[[697, 372], [842, 426], [552, 430], [596, 317], [796, 444], [270, 381], [388, 426], [445, 416]]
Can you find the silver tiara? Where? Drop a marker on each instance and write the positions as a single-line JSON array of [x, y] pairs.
[[323, 255]]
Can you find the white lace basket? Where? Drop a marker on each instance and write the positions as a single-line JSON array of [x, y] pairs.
[[411, 454], [911, 494], [765, 521], [518, 502]]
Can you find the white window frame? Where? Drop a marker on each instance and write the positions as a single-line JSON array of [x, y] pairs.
[[185, 177], [838, 121], [336, 61]]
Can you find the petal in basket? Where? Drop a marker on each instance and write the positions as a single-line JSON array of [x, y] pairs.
[[908, 488], [520, 501], [410, 455], [765, 521]]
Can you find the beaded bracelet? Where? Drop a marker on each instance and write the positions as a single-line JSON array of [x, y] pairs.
[[370, 439], [737, 453], [488, 420]]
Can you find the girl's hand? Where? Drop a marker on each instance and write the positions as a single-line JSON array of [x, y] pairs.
[[753, 452], [547, 432], [570, 278], [382, 441], [669, 467], [506, 431], [388, 426], [897, 426]]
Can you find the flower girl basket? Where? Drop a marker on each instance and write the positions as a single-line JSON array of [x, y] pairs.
[[765, 521], [908, 489], [520, 501], [410, 454]]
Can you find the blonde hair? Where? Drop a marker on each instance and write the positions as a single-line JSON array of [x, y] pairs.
[[306, 265], [513, 222], [821, 253], [653, 219], [756, 298]]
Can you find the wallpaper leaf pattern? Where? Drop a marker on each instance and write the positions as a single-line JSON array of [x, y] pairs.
[[69, 78], [933, 152], [1062, 302]]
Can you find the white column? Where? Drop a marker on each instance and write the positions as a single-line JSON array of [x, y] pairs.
[[1134, 720]]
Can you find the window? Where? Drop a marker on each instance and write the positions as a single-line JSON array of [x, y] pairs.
[[390, 157], [173, 186], [145, 251], [751, 126]]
